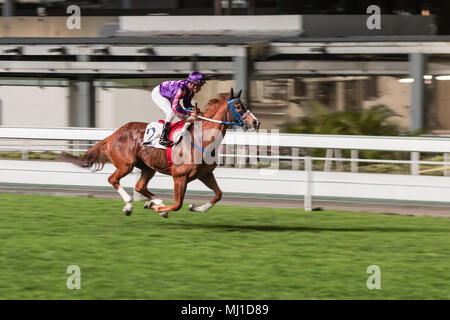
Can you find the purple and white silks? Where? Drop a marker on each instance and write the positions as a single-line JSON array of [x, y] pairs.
[[175, 91]]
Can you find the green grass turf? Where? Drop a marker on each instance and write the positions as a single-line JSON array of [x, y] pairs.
[[227, 253]]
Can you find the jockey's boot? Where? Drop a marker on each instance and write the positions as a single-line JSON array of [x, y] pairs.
[[164, 139]]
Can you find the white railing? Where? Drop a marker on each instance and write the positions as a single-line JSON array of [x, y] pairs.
[[412, 144], [294, 182]]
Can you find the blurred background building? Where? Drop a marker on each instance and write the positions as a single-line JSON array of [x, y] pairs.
[[284, 54]]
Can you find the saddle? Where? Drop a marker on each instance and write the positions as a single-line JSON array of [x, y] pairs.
[[154, 130]]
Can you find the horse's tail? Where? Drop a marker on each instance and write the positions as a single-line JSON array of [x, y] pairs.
[[95, 157]]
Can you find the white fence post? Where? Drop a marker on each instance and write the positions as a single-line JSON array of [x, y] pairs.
[[309, 186], [339, 164], [333, 153], [354, 164], [76, 146], [220, 158], [295, 163], [229, 150], [241, 159], [415, 158], [26, 145], [446, 159], [253, 153], [328, 163]]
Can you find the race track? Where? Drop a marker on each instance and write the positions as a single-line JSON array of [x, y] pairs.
[[421, 209]]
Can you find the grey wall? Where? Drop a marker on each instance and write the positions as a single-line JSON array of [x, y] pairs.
[[141, 4], [355, 25]]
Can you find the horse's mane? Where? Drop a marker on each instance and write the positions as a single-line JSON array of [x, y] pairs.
[[213, 104]]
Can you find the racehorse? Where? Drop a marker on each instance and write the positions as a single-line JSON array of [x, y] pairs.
[[125, 150]]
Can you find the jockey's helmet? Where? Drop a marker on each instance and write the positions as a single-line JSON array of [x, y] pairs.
[[196, 78]]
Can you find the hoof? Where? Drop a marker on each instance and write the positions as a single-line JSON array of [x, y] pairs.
[[164, 214], [202, 208], [147, 205], [128, 209]]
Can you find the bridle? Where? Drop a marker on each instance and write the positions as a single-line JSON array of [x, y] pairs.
[[238, 117], [232, 112]]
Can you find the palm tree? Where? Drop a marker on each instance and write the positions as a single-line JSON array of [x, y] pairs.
[[371, 121], [320, 120]]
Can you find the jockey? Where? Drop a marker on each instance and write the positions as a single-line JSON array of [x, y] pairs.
[[167, 96]]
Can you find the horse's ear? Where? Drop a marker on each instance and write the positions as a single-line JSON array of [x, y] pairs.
[[239, 94], [231, 94]]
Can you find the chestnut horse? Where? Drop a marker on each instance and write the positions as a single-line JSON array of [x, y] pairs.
[[125, 150]]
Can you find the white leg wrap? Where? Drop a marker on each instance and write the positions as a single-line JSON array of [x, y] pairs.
[[157, 202], [206, 206], [154, 202], [202, 208], [128, 207], [125, 196]]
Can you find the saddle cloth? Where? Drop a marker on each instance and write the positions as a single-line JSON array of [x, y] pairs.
[[153, 133]]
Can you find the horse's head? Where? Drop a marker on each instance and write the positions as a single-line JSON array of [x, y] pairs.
[[239, 113]]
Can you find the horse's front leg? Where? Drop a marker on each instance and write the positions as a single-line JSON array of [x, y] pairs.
[[210, 181], [180, 184]]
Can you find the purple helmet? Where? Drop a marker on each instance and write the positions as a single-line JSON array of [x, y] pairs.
[[196, 78]]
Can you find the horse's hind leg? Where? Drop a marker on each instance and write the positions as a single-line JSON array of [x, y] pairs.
[[141, 187], [210, 181], [114, 180]]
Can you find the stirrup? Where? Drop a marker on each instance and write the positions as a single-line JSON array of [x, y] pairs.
[[165, 142]]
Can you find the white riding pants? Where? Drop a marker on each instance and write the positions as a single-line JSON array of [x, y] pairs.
[[164, 104]]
